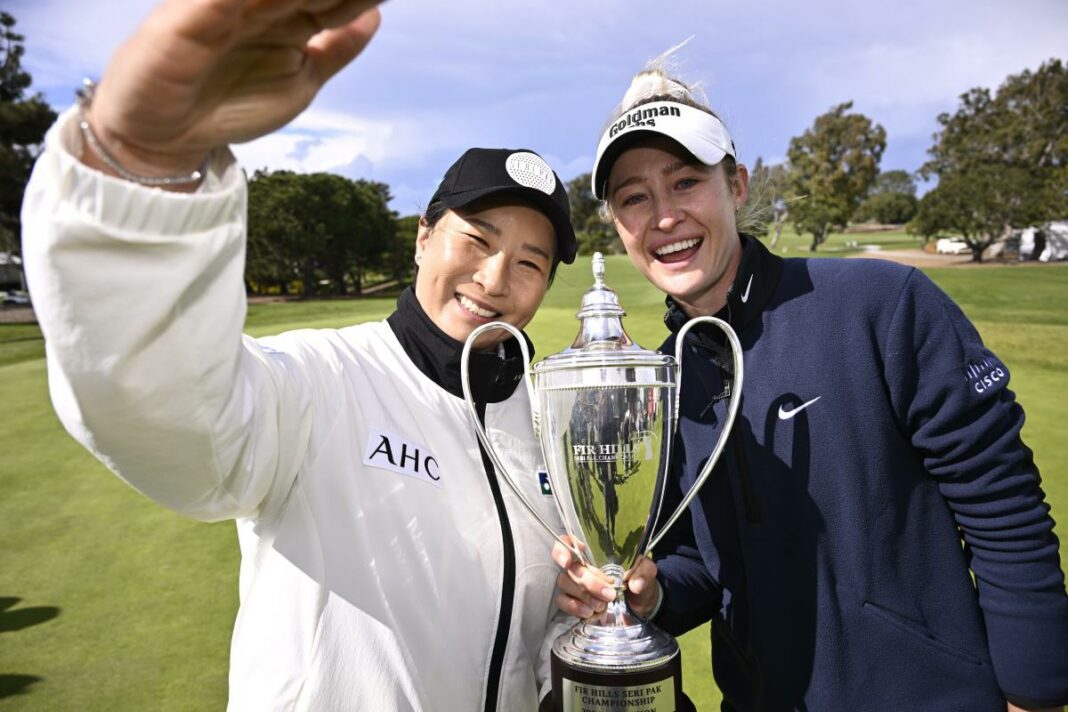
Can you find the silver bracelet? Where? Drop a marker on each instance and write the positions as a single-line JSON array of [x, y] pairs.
[[85, 97]]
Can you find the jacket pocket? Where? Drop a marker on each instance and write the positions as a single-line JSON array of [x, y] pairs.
[[917, 632]]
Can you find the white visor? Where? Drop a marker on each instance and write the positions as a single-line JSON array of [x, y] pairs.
[[699, 132]]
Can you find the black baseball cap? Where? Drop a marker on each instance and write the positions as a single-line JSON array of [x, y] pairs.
[[487, 171]]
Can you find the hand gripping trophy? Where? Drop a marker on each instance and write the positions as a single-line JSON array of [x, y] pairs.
[[605, 412]]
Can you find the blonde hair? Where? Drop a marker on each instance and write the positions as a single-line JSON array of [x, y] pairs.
[[659, 81]]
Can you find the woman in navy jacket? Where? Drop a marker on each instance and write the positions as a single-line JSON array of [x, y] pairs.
[[875, 467]]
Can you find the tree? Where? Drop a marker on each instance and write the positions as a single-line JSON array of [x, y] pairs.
[[891, 199], [980, 205], [375, 230], [927, 222], [339, 207], [23, 123], [1001, 160], [401, 258], [895, 181], [833, 164], [769, 197], [886, 208], [316, 227], [278, 249], [592, 233]]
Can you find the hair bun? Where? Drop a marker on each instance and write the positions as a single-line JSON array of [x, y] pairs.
[[653, 82]]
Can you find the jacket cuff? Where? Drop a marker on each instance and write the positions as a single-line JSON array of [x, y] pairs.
[[659, 601], [1030, 657], [1031, 703], [130, 207]]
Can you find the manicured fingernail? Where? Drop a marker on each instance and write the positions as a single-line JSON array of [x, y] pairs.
[[608, 593], [637, 585]]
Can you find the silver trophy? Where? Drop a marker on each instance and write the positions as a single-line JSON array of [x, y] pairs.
[[605, 411]]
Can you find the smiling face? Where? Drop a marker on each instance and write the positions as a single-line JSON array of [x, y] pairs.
[[676, 219], [488, 262]]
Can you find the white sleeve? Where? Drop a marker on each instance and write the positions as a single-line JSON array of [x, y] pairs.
[[140, 295]]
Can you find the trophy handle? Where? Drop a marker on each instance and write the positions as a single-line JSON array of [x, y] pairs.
[[535, 417], [732, 411]]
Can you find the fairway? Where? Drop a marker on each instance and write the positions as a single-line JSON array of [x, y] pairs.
[[109, 602]]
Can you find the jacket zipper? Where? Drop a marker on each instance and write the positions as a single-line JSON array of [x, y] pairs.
[[749, 502], [504, 622]]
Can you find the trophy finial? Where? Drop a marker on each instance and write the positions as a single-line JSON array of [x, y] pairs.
[[598, 269], [600, 315]]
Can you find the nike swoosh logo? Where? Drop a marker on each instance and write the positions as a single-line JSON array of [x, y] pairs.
[[745, 294], [787, 414]]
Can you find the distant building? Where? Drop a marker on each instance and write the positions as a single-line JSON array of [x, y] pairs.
[[10, 271], [1047, 243]]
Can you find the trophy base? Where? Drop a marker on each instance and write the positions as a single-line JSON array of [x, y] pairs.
[[620, 663], [656, 689]]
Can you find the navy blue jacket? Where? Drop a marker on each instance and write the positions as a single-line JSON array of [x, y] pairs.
[[876, 458]]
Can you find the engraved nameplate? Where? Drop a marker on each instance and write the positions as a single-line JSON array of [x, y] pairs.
[[651, 697]]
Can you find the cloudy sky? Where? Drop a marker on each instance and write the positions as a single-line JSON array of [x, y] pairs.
[[443, 76]]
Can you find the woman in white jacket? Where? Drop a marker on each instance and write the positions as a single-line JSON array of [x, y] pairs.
[[384, 566]]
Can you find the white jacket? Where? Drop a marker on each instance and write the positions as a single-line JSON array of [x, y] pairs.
[[372, 574]]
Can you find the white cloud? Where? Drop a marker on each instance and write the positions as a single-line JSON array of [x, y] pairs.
[[440, 78], [319, 141]]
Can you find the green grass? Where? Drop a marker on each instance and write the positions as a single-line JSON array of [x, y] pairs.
[[839, 244], [277, 317], [20, 342], [123, 605]]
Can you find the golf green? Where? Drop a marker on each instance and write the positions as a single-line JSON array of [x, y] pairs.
[[109, 602]]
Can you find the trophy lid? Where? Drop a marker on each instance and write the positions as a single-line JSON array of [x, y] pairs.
[[601, 339]]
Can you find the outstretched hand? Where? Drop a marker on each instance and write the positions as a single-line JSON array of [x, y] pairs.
[[199, 74], [584, 591]]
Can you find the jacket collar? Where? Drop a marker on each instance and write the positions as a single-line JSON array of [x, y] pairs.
[[494, 376], [758, 275]]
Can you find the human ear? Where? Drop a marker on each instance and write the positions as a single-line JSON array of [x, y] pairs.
[[422, 236], [740, 186]]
